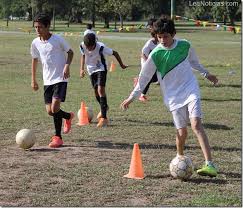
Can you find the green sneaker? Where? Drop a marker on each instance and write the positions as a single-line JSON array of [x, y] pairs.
[[207, 170]]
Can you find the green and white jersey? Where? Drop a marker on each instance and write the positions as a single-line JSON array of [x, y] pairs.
[[174, 71]]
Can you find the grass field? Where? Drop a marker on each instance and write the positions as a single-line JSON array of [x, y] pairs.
[[88, 170]]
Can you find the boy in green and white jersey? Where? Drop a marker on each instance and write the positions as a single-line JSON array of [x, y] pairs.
[[173, 60]]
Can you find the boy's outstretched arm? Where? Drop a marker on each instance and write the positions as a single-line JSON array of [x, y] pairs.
[[194, 61], [146, 73], [212, 78], [34, 83], [82, 71], [66, 71], [125, 103], [118, 58]]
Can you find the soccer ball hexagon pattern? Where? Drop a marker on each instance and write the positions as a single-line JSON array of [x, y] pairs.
[[181, 167]]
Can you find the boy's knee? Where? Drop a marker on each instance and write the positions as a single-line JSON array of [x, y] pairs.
[[196, 127], [49, 112], [54, 110], [182, 133]]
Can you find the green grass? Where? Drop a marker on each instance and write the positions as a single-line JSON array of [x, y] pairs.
[[89, 169]]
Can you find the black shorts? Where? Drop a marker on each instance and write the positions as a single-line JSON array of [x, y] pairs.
[[57, 91], [98, 79], [154, 78]]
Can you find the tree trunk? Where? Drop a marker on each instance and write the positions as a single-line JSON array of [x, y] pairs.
[[121, 21], [93, 15], [54, 16], [107, 22]]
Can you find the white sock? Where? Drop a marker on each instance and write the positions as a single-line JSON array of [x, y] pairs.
[[209, 163], [177, 155]]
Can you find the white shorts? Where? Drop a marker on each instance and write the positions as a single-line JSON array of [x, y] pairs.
[[181, 116]]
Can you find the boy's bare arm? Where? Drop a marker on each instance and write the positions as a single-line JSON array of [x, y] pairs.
[[144, 57], [82, 61], [70, 57], [118, 58], [212, 78], [66, 71], [34, 83]]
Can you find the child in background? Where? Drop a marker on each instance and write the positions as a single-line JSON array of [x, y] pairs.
[[93, 55], [173, 59], [147, 48], [51, 50], [88, 29]]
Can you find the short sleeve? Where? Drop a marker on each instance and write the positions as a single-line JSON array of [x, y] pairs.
[[34, 51], [107, 51], [81, 48], [64, 44], [146, 51]]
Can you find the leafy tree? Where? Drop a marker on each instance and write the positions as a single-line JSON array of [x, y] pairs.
[[233, 9], [6, 9]]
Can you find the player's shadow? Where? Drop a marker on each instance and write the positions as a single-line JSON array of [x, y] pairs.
[[43, 150], [221, 85], [189, 180], [117, 145], [221, 100], [170, 124], [145, 123], [158, 176], [207, 180]]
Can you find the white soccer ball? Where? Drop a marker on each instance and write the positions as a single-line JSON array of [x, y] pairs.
[[89, 111], [25, 138], [181, 167]]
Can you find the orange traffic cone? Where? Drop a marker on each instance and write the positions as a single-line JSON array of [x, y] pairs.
[[83, 117], [113, 66], [136, 167]]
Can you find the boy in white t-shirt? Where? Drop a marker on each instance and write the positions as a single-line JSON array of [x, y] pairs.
[[146, 50], [173, 60], [92, 54], [51, 50], [88, 29]]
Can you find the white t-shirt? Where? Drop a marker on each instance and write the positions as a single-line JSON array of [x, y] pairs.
[[93, 58], [179, 86], [147, 48], [52, 54]]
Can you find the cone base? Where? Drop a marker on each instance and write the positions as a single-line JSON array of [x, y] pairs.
[[133, 177], [78, 124]]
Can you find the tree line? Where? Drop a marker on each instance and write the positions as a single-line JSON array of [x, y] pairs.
[[75, 11]]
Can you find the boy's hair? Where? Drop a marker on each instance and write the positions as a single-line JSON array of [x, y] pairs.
[[89, 40], [163, 25], [89, 26], [151, 22], [43, 19]]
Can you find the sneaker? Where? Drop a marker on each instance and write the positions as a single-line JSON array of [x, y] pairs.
[[56, 142], [143, 98], [103, 122], [68, 124], [207, 170]]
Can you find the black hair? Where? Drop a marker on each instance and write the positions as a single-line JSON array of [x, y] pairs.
[[89, 26], [43, 19], [89, 39], [163, 25]]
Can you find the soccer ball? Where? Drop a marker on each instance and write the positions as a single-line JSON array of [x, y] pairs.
[[89, 111], [25, 138], [181, 167]]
